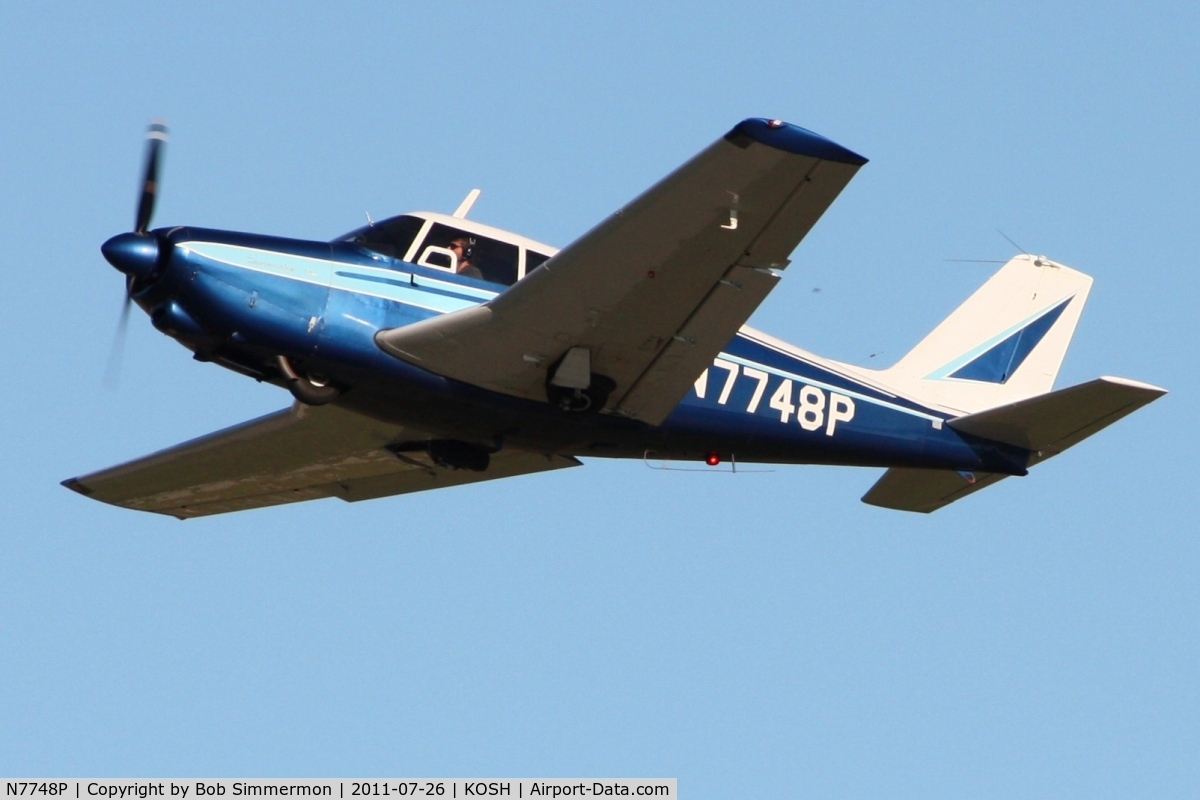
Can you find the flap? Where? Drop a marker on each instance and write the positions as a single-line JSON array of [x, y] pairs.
[[302, 453], [656, 290]]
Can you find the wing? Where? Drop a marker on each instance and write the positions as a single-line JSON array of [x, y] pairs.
[[654, 292], [302, 453]]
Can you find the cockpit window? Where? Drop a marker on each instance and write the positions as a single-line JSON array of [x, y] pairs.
[[534, 260], [390, 237], [444, 247], [469, 254]]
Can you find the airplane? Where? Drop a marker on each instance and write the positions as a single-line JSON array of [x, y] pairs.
[[429, 350]]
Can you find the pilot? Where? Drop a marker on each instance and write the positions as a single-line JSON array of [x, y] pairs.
[[464, 249]]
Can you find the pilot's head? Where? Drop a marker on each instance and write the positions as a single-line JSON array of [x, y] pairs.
[[463, 248]]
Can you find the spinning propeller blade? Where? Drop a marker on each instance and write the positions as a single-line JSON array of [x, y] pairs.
[[112, 373], [156, 137], [131, 255]]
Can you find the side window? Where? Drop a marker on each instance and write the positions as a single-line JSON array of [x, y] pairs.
[[390, 237], [534, 260], [469, 254], [440, 257]]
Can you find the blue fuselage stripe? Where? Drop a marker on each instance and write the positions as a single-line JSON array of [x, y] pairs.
[[422, 292]]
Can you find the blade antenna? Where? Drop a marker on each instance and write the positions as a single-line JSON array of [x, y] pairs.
[[465, 205]]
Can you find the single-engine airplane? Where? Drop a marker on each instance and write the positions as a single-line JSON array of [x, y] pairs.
[[428, 350]]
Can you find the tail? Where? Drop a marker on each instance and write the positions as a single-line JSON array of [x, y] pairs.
[[993, 363], [1004, 344], [1045, 426]]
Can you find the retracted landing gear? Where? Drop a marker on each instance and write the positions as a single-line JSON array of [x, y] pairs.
[[572, 386], [581, 401], [306, 389]]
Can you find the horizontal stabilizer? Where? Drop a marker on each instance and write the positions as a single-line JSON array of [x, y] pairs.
[[1050, 423], [925, 490], [1046, 425]]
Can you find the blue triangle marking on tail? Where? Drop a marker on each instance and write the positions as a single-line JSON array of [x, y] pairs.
[[998, 363]]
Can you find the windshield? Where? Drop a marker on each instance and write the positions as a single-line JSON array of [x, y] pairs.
[[445, 248], [391, 237]]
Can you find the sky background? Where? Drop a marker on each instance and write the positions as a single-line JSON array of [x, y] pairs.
[[762, 635]]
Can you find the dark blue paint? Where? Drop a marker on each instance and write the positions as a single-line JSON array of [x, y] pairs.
[[793, 139], [876, 434], [745, 347], [173, 319], [135, 254], [999, 362]]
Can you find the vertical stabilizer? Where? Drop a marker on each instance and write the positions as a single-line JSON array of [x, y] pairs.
[[1004, 344]]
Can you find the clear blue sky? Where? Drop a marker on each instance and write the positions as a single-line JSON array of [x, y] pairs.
[[764, 635]]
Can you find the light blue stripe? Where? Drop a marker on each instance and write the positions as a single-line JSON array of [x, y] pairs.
[[974, 352], [300, 268], [427, 293], [404, 293]]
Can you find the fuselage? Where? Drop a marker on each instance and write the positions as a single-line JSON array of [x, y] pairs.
[[242, 300]]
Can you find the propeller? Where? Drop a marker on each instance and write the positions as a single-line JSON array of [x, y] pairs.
[[156, 137], [112, 373], [135, 254]]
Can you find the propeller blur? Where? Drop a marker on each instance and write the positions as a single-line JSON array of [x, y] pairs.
[[136, 254]]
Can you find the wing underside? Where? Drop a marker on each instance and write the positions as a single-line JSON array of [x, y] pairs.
[[301, 453]]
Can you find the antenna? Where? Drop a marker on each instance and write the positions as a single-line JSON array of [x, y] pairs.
[[1037, 260], [1007, 238], [1010, 241], [465, 205]]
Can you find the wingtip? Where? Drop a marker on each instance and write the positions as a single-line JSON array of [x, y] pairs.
[[793, 139], [75, 486], [1130, 382]]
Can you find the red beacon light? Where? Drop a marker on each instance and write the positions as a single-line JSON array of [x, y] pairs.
[[775, 123], [712, 458]]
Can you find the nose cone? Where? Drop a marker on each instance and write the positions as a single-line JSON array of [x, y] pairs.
[[134, 254]]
